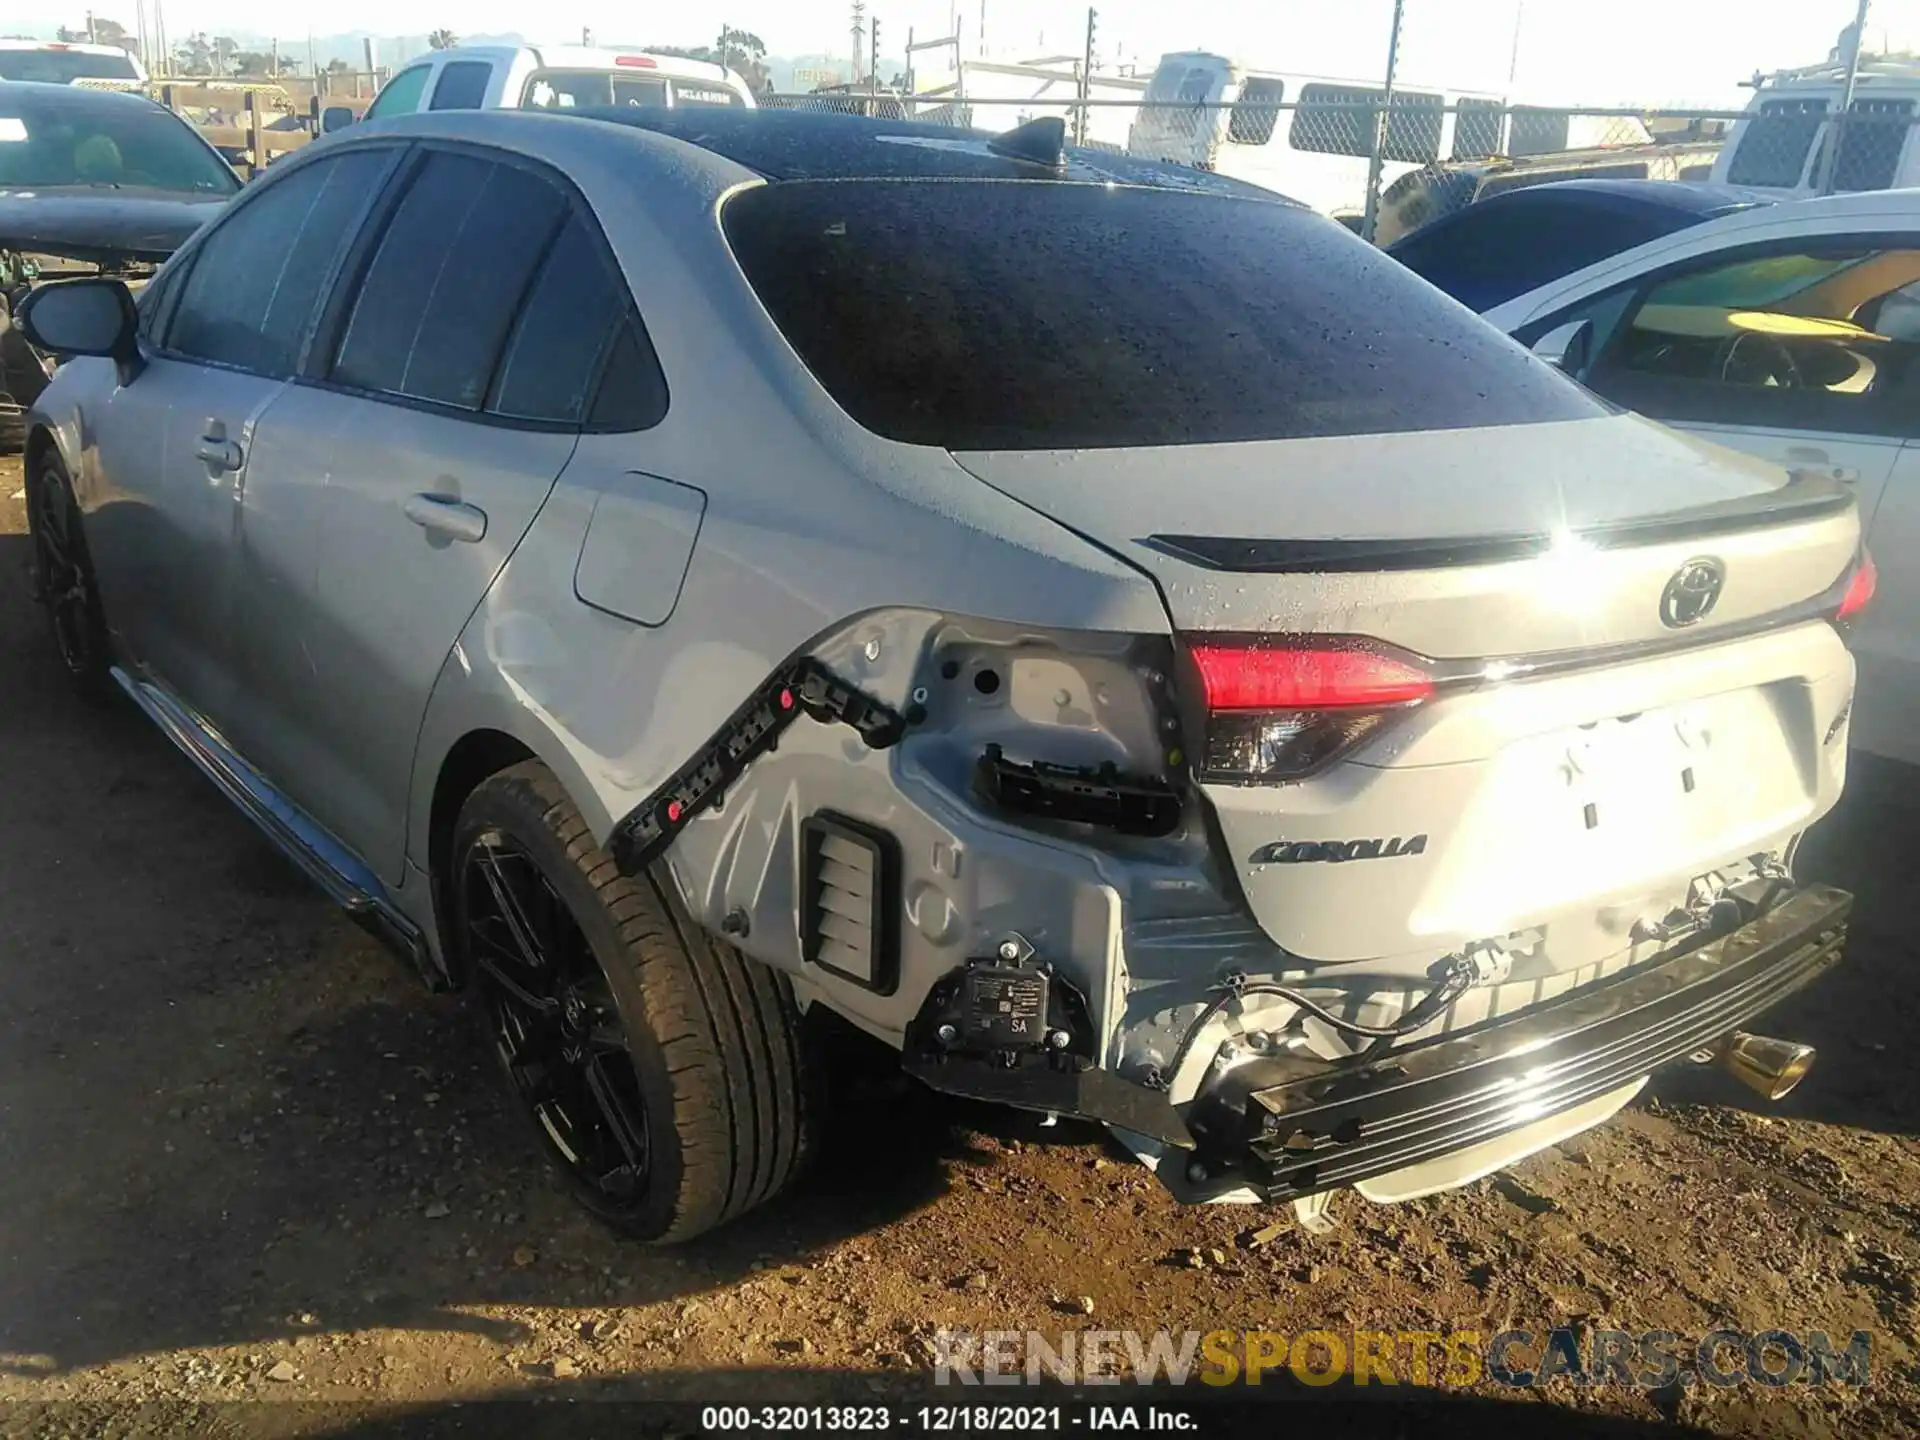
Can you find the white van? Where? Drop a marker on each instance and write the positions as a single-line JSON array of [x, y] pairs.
[[61, 63], [1782, 145], [548, 77], [1309, 137]]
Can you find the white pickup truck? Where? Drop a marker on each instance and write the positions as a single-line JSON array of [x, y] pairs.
[[547, 77]]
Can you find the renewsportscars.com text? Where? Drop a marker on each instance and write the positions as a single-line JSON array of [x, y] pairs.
[[1454, 1359]]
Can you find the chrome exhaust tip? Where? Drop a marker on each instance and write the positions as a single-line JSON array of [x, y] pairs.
[[1765, 1065]]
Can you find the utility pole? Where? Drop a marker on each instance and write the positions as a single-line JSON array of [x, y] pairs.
[[93, 37], [1513, 55], [1086, 79], [1377, 154], [1838, 135], [873, 43]]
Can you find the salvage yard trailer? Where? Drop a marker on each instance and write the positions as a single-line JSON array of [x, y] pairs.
[[1311, 137]]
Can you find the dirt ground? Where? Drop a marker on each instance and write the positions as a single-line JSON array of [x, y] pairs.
[[253, 1180]]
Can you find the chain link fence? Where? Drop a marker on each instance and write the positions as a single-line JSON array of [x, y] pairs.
[[1317, 148]]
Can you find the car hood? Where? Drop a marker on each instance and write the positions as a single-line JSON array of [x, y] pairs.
[[90, 223]]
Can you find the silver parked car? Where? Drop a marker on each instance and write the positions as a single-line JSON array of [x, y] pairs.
[[1102, 630]]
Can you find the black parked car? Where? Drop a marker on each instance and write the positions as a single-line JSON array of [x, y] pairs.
[[91, 182], [1510, 243]]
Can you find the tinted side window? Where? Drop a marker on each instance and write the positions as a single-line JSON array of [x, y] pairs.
[[462, 85], [1876, 133], [571, 315], [1774, 144], [1338, 120], [402, 94], [1255, 112], [1537, 131], [444, 286], [1476, 130], [156, 300], [249, 297], [1787, 340]]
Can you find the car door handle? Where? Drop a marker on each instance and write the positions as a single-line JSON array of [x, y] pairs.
[[218, 452], [455, 519]]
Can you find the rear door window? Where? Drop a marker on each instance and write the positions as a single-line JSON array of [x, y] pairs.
[[445, 283], [1037, 315], [462, 85], [249, 297], [577, 314]]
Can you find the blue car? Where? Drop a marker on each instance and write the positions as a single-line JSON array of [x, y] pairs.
[[1507, 244]]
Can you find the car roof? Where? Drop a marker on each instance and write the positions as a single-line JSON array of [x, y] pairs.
[[44, 96], [816, 145], [1687, 197]]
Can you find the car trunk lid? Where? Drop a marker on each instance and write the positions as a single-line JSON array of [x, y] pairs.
[[1495, 688]]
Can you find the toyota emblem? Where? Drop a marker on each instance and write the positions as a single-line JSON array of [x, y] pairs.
[[1692, 593]]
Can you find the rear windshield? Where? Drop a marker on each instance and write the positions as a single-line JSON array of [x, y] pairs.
[[110, 143], [63, 67], [595, 89], [1028, 315]]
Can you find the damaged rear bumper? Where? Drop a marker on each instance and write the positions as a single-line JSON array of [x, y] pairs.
[[1290, 1127]]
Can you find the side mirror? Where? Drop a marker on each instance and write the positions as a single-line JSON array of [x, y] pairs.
[[1566, 347], [335, 117], [83, 317]]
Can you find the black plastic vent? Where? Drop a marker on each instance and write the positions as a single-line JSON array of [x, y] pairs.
[[850, 883]]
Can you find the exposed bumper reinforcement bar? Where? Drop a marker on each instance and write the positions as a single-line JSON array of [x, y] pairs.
[[1295, 1127]]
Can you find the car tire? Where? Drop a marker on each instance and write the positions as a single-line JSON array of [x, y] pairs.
[[63, 577], [665, 1073]]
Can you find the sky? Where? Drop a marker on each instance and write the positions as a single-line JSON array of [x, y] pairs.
[[1592, 51]]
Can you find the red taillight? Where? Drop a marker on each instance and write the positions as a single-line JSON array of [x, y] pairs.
[[637, 62], [1866, 579], [1279, 711], [1251, 678]]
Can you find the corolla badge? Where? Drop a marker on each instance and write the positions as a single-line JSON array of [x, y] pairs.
[[1308, 852], [1692, 592]]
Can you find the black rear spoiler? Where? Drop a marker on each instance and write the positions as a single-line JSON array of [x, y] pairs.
[[1805, 497]]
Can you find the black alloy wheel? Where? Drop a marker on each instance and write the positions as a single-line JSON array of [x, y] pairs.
[[555, 1023], [63, 575]]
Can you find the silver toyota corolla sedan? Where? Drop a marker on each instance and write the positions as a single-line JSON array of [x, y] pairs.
[[1101, 630]]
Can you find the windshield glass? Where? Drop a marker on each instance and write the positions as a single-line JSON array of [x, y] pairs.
[[62, 67], [1033, 315], [588, 89], [105, 143]]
